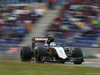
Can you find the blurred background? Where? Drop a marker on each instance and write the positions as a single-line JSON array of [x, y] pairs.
[[73, 23]]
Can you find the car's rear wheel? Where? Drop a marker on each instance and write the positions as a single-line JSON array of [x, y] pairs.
[[40, 53], [78, 56], [26, 54]]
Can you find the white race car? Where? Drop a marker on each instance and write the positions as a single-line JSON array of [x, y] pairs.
[[47, 51]]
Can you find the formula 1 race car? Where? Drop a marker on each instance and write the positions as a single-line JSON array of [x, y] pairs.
[[45, 50]]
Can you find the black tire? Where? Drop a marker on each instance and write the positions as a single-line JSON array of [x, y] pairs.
[[78, 56], [62, 61], [39, 55], [26, 54]]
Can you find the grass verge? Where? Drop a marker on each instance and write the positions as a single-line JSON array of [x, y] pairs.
[[20, 68]]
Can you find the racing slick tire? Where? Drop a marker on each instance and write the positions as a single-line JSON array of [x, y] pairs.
[[78, 56], [62, 61], [26, 54], [39, 55]]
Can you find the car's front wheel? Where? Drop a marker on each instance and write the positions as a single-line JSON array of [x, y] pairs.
[[40, 53]]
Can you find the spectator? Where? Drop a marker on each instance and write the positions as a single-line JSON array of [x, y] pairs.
[[0, 31], [39, 12], [51, 4]]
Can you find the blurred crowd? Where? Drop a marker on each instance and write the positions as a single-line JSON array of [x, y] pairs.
[[16, 21], [78, 25]]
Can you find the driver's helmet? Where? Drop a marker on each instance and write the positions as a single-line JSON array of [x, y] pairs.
[[52, 44]]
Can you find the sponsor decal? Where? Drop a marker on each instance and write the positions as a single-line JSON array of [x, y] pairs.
[[41, 38]]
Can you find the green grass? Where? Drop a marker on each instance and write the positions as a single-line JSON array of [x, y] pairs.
[[20, 68]]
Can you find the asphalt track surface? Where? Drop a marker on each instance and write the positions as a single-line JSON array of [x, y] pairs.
[[87, 62]]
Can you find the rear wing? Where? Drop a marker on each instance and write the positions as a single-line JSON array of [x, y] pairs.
[[42, 39]]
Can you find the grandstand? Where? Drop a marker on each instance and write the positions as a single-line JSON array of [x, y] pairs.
[[16, 21], [77, 26]]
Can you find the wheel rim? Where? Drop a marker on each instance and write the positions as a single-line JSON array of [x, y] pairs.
[[42, 59]]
